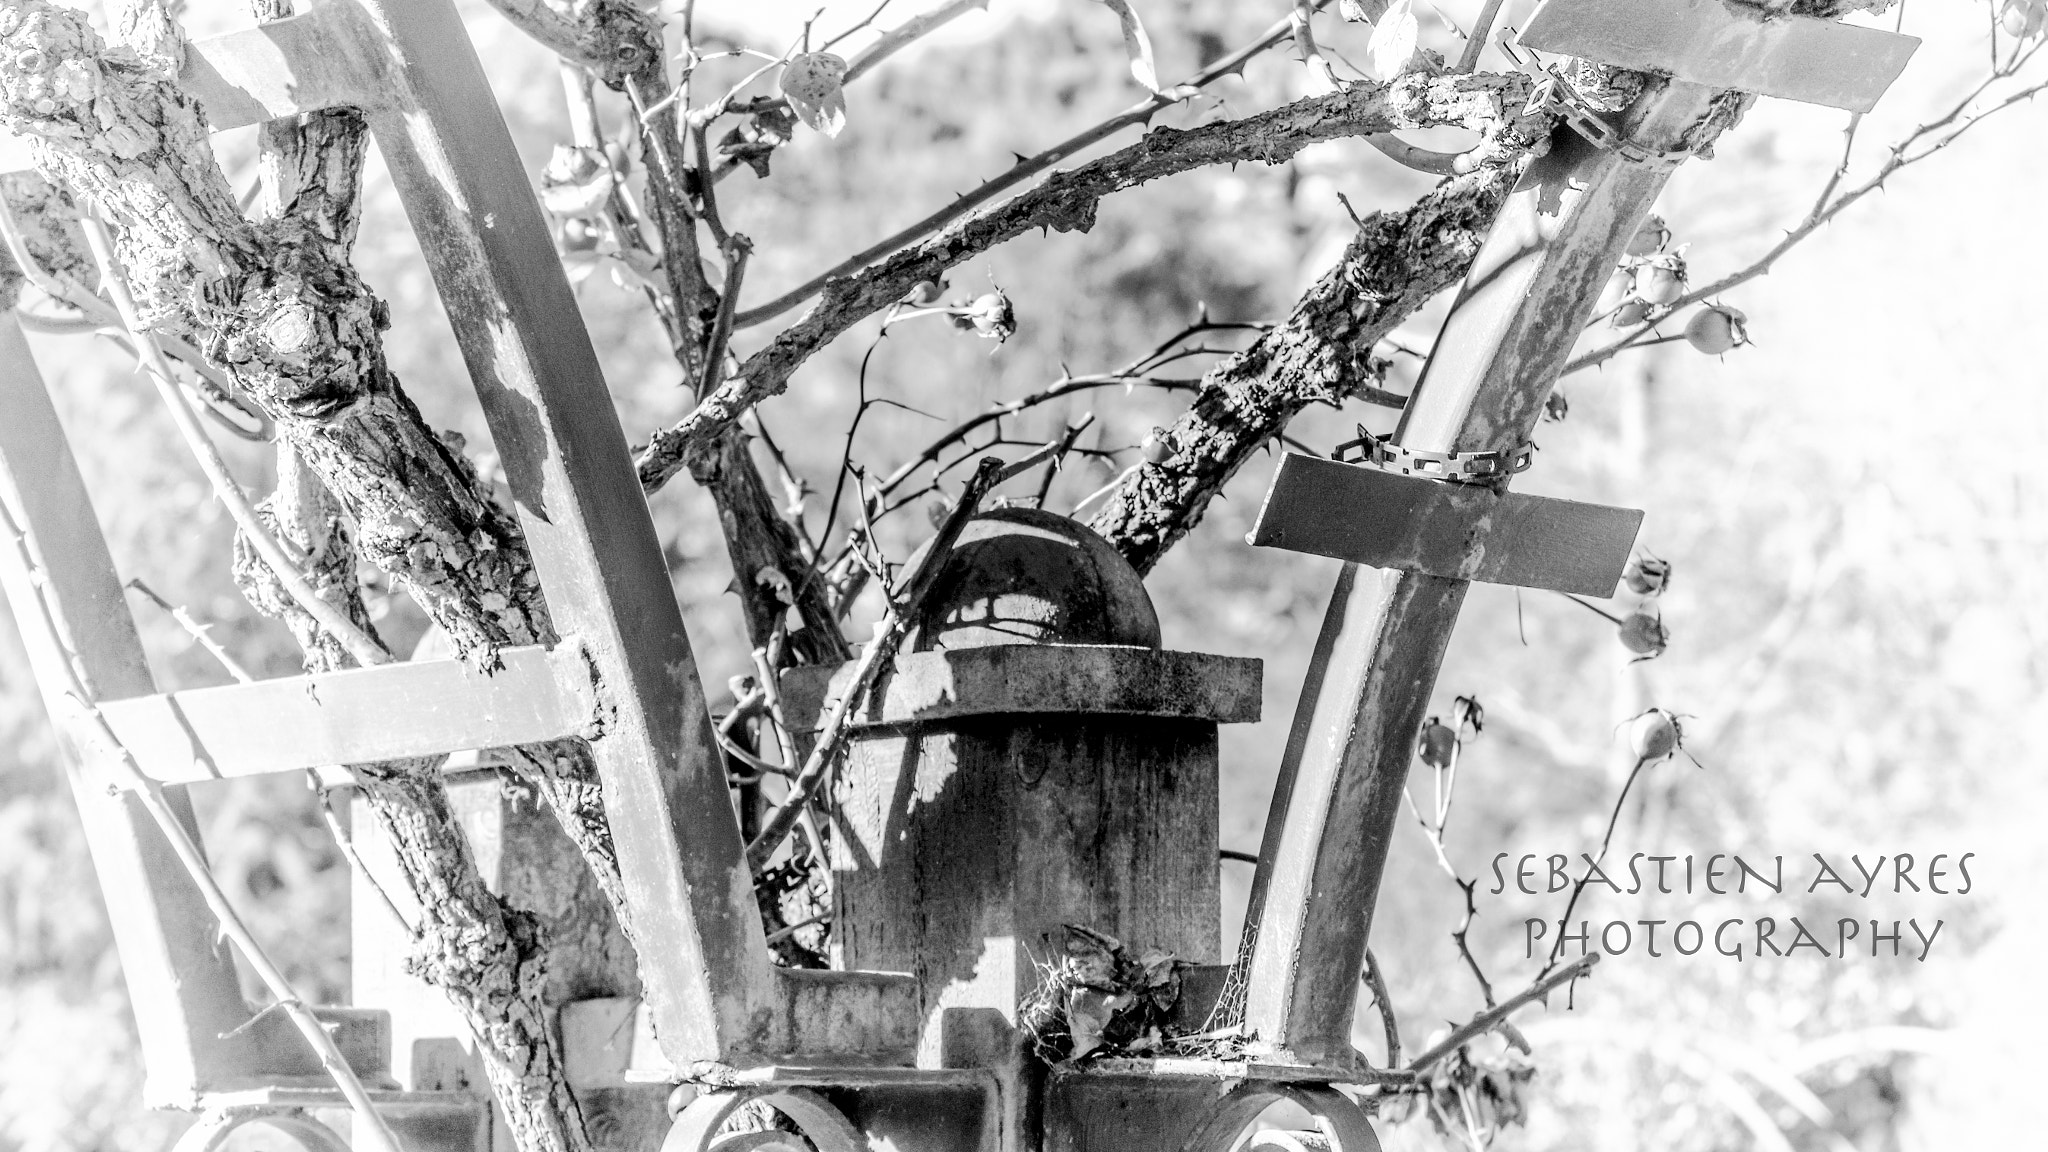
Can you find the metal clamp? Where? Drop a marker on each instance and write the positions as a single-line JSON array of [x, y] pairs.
[[1555, 94], [1461, 467]]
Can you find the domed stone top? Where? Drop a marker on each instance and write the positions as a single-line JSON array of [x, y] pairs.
[[1026, 576]]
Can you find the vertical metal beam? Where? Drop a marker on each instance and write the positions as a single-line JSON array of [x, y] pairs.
[[1337, 803], [181, 986], [703, 956]]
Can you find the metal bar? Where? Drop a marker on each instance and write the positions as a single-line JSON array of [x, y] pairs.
[[1723, 45], [323, 58], [360, 716], [1337, 802], [473, 208], [1462, 531], [326, 57], [182, 988]]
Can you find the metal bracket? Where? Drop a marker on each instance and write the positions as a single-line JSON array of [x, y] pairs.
[[1554, 93], [1458, 467], [1457, 531]]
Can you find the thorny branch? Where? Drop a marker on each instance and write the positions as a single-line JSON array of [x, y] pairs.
[[1321, 354], [1027, 167], [1067, 201], [1922, 142], [874, 660], [1439, 749], [1497, 1015]]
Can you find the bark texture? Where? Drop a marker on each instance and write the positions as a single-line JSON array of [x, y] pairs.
[[279, 309], [1319, 355], [617, 43]]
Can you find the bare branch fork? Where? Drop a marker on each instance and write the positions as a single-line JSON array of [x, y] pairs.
[[1027, 167], [1917, 145], [1067, 201], [1498, 1015], [874, 659]]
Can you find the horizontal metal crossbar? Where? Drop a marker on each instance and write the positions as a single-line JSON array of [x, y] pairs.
[[1721, 45], [328, 57], [1460, 531], [360, 716]]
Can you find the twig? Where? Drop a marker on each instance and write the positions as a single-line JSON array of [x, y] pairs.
[[1606, 841], [764, 671], [1066, 444], [1106, 489], [347, 845], [1304, 34], [737, 249], [1068, 200], [151, 796], [1468, 714], [1136, 372], [781, 934], [98, 314], [1492, 1018], [200, 633], [366, 651], [1475, 40], [889, 636], [1139, 113], [1901, 156], [1377, 982]]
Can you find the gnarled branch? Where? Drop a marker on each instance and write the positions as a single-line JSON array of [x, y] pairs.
[[1066, 202]]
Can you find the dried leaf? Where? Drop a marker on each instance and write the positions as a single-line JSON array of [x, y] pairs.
[[757, 138], [1137, 45], [1361, 11], [814, 84], [1092, 958], [1089, 1013], [1393, 40]]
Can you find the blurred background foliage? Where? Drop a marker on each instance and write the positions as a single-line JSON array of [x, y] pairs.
[[1852, 505]]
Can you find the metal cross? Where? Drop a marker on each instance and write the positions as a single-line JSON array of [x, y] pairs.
[[1529, 293]]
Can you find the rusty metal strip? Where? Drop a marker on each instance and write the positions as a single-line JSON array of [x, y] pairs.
[[360, 716], [1459, 531], [1723, 45], [471, 202]]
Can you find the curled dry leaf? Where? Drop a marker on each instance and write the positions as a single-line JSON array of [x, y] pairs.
[[815, 85], [757, 138], [1137, 45], [1393, 40]]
